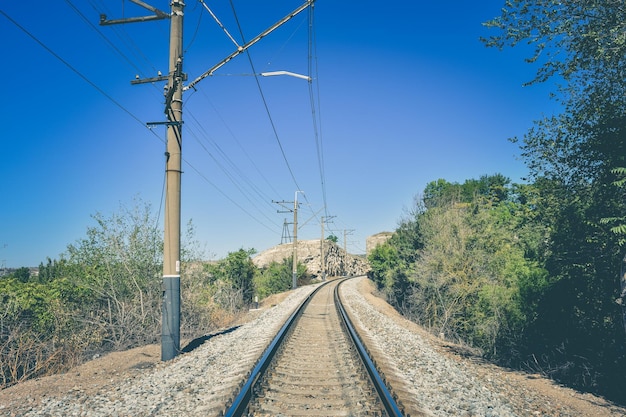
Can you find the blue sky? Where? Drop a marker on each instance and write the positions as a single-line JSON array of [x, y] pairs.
[[404, 94]]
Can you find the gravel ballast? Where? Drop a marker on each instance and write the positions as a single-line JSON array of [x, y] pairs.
[[201, 382]]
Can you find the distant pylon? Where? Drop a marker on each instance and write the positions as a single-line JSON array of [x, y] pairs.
[[286, 237]]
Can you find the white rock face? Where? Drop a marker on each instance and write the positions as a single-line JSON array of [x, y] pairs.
[[337, 261], [375, 240]]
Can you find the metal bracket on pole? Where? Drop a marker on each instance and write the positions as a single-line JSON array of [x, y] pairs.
[[154, 79], [241, 49], [158, 15], [172, 123]]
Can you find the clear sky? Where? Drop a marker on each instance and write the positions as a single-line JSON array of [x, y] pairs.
[[404, 93]]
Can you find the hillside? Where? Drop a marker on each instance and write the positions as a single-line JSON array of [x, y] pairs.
[[337, 261]]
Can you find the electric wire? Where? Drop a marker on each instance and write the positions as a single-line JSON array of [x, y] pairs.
[[316, 131], [138, 71], [95, 29], [239, 145], [234, 174], [127, 40], [231, 177], [95, 86], [195, 34], [267, 110], [77, 72], [201, 175], [133, 45]]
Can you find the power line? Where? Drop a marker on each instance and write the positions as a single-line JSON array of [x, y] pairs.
[[238, 143], [318, 136], [231, 176], [228, 197], [77, 72], [267, 110], [95, 29]]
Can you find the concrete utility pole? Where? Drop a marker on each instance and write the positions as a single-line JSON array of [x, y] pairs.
[[322, 257], [346, 232], [170, 324], [294, 269]]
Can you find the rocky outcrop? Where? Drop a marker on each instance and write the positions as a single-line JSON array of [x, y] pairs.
[[337, 261], [375, 240]]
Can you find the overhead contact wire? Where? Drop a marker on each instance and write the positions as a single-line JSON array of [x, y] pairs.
[[77, 72], [267, 110]]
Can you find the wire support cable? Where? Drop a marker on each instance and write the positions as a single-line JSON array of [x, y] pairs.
[[234, 175], [77, 72], [243, 150], [220, 24], [316, 116], [267, 110]]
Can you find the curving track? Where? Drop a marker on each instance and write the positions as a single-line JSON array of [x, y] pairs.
[[314, 368]]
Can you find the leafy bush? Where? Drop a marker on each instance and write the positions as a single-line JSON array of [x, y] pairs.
[[277, 277]]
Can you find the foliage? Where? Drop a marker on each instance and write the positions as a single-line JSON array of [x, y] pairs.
[[332, 238], [382, 258], [618, 224], [232, 279], [464, 263], [470, 279], [103, 294], [494, 188], [20, 274], [36, 333], [277, 277], [574, 158], [119, 262], [572, 40]]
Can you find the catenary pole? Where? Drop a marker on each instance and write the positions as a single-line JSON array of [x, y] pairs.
[[322, 258], [170, 325], [294, 268]]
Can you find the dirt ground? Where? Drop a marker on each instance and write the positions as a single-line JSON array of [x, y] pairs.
[[109, 369]]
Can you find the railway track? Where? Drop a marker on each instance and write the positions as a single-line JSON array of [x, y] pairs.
[[316, 366]]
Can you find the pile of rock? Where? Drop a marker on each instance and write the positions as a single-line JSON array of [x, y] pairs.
[[336, 261]]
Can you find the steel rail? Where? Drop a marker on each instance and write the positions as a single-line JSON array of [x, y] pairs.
[[392, 408], [242, 400]]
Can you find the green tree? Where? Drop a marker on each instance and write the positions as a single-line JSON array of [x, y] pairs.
[[232, 278], [441, 192], [277, 277], [51, 270], [493, 188], [21, 274], [119, 261], [382, 259], [468, 279], [582, 43], [572, 157]]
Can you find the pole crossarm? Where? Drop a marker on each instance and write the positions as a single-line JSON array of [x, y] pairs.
[[158, 15], [241, 49], [282, 203]]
